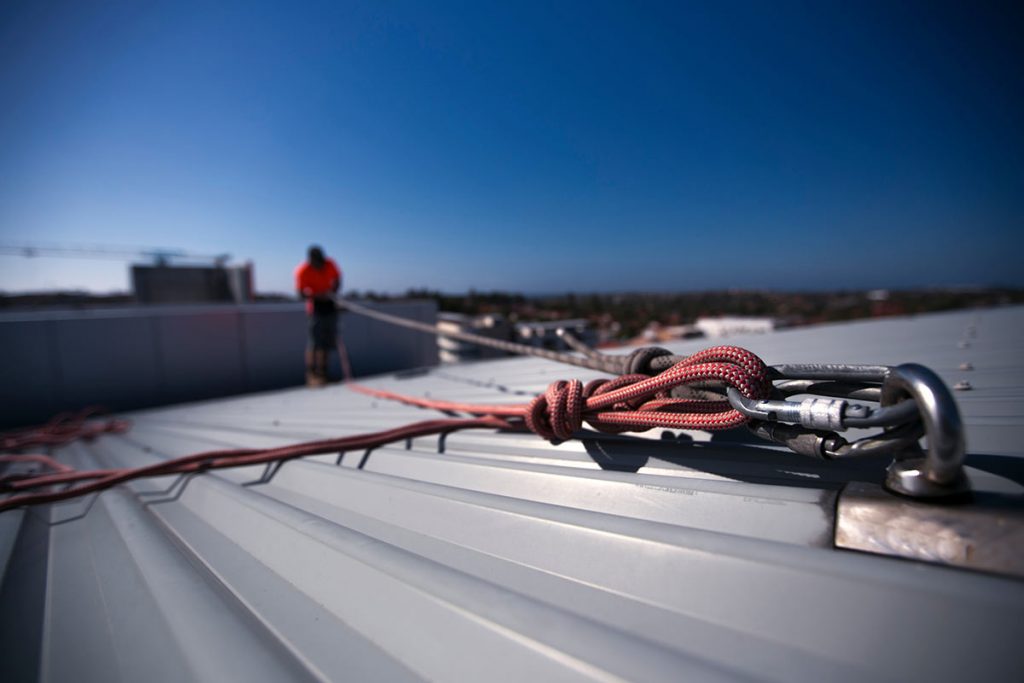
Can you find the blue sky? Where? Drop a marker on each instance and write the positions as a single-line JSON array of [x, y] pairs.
[[524, 146]]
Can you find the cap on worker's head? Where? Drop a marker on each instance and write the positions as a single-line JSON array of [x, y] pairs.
[[316, 254]]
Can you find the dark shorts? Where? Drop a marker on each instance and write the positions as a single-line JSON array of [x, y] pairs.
[[323, 330]]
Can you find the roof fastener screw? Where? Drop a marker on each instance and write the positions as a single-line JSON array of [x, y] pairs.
[[964, 344], [966, 366], [963, 385]]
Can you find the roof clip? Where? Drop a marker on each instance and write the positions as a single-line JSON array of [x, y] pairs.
[[268, 473]]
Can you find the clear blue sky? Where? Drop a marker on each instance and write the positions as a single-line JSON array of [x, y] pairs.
[[530, 146]]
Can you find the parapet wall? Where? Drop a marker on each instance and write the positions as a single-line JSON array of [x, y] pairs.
[[137, 357]]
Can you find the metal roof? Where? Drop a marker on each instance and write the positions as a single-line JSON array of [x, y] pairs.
[[670, 556]]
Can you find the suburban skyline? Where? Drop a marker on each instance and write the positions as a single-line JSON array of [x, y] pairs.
[[528, 147]]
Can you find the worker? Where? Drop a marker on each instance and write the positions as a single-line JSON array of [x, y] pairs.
[[318, 280]]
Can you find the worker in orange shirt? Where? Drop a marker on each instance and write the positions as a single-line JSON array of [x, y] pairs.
[[317, 281]]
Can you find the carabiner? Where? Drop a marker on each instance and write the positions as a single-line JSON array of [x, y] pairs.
[[819, 413]]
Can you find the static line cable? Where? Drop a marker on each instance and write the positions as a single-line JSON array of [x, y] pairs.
[[647, 360], [576, 345], [594, 361]]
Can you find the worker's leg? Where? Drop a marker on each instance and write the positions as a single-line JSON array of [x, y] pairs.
[[331, 338], [320, 364], [313, 377], [324, 337]]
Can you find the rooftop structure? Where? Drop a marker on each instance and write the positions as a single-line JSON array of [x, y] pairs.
[[495, 556], [455, 351], [730, 326], [546, 333], [166, 284], [141, 356]]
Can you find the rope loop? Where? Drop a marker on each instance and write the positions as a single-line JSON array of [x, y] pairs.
[[636, 402], [639, 362]]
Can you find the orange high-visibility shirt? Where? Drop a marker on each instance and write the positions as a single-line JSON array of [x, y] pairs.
[[313, 281]]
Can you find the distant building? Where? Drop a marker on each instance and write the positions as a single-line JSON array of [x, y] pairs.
[[728, 326], [545, 334], [455, 351], [711, 328], [166, 284]]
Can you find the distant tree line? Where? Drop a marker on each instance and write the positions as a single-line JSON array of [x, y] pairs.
[[631, 312], [624, 315]]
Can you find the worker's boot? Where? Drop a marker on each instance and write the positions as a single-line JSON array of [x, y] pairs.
[[313, 377]]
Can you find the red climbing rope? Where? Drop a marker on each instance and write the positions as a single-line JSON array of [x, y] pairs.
[[61, 429], [209, 460], [627, 403]]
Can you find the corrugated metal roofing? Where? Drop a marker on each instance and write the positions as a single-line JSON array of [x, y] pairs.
[[673, 556]]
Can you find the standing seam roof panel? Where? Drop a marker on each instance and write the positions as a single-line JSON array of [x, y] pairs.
[[668, 556]]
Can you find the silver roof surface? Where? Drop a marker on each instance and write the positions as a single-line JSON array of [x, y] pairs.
[[672, 556]]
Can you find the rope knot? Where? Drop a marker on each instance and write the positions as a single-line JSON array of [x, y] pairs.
[[636, 402], [557, 413]]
